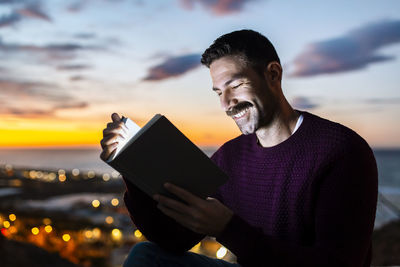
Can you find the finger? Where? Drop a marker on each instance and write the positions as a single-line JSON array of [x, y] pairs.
[[106, 153], [110, 139], [180, 218], [115, 117], [173, 204], [184, 194], [112, 125], [187, 222], [117, 130]]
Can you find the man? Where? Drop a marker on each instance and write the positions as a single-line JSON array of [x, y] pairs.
[[302, 190]]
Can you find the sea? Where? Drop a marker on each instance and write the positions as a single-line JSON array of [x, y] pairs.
[[88, 159]]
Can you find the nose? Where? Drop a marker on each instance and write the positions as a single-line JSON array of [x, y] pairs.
[[228, 100]]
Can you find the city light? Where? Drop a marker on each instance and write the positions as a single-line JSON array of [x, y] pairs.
[[12, 217], [91, 174], [109, 220], [46, 221], [32, 174], [62, 177], [50, 236], [116, 234], [138, 234], [114, 202], [115, 174], [75, 172], [221, 252], [48, 228], [12, 229], [196, 248], [35, 230], [52, 176], [88, 234], [4, 231], [95, 203], [66, 237], [106, 177], [96, 233], [6, 224], [8, 167]]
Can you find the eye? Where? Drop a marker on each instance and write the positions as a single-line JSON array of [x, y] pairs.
[[236, 86]]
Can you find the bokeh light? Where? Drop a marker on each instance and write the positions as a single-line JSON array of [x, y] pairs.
[[12, 217], [109, 220], [116, 234], [221, 252], [48, 228], [35, 230], [115, 202], [66, 237], [138, 234], [96, 203]]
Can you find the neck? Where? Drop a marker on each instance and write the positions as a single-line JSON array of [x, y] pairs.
[[281, 126]]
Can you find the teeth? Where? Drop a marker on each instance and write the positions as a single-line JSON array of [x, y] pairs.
[[240, 114]]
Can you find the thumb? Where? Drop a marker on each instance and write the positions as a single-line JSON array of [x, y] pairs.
[[115, 117]]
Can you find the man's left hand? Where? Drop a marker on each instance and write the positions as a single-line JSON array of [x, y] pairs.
[[203, 216]]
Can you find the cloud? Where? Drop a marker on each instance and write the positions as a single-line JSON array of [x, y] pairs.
[[64, 51], [34, 10], [44, 98], [302, 102], [77, 78], [73, 67], [217, 7], [27, 113], [85, 35], [26, 9], [353, 51], [12, 1], [173, 67], [34, 113], [72, 105], [77, 6], [395, 100], [9, 20]]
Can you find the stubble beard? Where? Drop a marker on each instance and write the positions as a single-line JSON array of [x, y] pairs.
[[257, 118], [251, 125]]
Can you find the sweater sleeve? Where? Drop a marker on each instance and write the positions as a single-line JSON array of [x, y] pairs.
[[345, 206], [155, 225]]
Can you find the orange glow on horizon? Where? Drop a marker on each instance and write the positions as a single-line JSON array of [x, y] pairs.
[[201, 133], [42, 138], [212, 132]]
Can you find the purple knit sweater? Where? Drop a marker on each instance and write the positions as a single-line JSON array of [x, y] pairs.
[[308, 201]]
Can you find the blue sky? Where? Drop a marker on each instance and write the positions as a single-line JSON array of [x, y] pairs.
[[67, 65]]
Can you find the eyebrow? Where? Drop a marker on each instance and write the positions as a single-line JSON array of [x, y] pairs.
[[234, 78]]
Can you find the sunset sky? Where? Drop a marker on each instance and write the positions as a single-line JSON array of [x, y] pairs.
[[65, 66]]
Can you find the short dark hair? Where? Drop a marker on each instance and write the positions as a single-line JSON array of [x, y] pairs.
[[253, 47]]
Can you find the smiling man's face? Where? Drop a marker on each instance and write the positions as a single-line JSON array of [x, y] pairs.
[[244, 93]]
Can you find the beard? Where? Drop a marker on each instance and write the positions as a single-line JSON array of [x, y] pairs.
[[257, 117], [250, 124]]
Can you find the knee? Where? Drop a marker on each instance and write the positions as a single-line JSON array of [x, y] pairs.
[[141, 254]]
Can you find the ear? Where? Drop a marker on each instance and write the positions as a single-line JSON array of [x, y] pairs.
[[273, 72]]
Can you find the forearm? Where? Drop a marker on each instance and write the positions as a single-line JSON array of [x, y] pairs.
[[156, 226]]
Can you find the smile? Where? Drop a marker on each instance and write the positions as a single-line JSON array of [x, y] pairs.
[[240, 114]]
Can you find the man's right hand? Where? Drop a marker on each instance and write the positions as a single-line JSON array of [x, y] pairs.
[[115, 131]]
